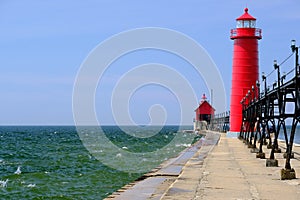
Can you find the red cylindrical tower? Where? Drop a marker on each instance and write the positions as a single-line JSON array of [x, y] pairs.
[[244, 65]]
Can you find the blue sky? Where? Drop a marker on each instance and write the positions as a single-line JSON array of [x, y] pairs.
[[43, 44]]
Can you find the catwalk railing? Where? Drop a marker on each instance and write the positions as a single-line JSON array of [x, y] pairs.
[[272, 110], [220, 122]]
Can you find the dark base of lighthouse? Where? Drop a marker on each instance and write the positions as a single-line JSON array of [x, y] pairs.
[[231, 134]]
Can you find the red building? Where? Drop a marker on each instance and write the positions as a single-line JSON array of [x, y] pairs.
[[204, 110], [244, 66]]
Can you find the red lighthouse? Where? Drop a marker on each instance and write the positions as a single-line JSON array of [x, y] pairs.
[[245, 65]]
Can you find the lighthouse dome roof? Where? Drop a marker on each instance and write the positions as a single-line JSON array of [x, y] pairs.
[[246, 16]]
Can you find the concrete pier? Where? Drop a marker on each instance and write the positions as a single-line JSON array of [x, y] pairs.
[[223, 168]]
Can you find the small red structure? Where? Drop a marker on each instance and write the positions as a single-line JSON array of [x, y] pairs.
[[244, 65], [204, 110]]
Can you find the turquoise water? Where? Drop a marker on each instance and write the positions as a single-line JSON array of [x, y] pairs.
[[51, 162]]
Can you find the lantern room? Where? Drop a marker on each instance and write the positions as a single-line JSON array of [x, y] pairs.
[[245, 21], [245, 27]]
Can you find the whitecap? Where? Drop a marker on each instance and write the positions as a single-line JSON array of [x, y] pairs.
[[18, 171], [31, 185], [97, 151], [3, 183], [124, 147], [183, 145], [119, 155], [186, 145]]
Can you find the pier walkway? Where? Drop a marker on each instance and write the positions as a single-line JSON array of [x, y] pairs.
[[223, 168]]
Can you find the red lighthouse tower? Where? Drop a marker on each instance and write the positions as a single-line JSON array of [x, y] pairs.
[[245, 65]]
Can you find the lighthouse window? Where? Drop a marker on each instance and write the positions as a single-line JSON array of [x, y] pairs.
[[252, 24], [239, 24], [246, 24]]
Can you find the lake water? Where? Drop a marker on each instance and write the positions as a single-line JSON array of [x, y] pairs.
[[51, 162]]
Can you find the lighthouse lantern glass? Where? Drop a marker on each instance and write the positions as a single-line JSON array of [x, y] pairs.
[[239, 24], [245, 24], [252, 23]]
